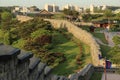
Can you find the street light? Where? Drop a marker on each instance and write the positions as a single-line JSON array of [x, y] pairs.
[[105, 70]]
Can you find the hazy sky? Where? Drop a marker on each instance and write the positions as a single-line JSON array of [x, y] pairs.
[[41, 3]]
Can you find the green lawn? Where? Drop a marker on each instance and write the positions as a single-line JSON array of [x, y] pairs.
[[104, 50], [71, 50], [58, 16], [101, 36], [96, 76]]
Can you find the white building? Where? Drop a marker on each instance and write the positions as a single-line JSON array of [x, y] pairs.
[[117, 11], [92, 8], [49, 8], [17, 8], [104, 7], [25, 10], [69, 6], [55, 8], [66, 7], [52, 8]]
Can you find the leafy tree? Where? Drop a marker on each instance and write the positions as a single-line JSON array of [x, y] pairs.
[[6, 16], [118, 15], [71, 12], [116, 40], [87, 10], [39, 33], [114, 53], [108, 13], [86, 17], [7, 38]]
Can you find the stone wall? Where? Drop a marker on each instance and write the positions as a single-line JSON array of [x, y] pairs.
[[82, 35], [36, 70], [23, 18], [17, 64]]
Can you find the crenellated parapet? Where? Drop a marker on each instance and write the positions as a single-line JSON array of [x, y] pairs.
[[81, 35], [16, 64]]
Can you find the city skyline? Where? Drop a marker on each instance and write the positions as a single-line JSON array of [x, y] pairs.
[[40, 3]]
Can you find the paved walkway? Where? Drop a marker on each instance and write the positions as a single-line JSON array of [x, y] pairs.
[[99, 41], [111, 76], [109, 36]]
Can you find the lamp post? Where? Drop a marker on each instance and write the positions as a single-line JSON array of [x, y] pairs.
[[105, 70]]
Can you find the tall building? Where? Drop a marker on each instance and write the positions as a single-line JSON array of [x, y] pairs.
[[92, 8], [69, 6], [66, 6], [104, 7], [55, 8], [52, 8], [49, 8]]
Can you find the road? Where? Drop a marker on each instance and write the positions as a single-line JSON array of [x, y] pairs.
[[111, 76], [109, 36]]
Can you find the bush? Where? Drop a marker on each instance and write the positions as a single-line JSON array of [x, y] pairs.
[[52, 58], [115, 27], [78, 59]]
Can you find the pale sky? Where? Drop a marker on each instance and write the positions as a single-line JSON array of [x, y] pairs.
[[40, 3]]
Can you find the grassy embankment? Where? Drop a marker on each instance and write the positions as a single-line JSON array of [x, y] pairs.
[[96, 76], [70, 50]]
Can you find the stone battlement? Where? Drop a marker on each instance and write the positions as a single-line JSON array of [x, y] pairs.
[[16, 64]]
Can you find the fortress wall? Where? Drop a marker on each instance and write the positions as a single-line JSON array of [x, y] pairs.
[[21, 67], [82, 35]]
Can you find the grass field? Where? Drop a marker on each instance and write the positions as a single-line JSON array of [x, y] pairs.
[[104, 50], [71, 50], [101, 36], [96, 76]]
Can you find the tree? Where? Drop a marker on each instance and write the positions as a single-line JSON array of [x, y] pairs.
[[7, 38], [114, 53], [116, 40], [118, 15], [71, 12], [87, 10], [86, 17], [108, 13], [6, 16]]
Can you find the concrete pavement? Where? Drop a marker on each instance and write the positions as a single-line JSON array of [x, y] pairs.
[[111, 76]]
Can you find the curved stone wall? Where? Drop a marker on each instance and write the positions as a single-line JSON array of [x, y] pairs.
[[81, 35]]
